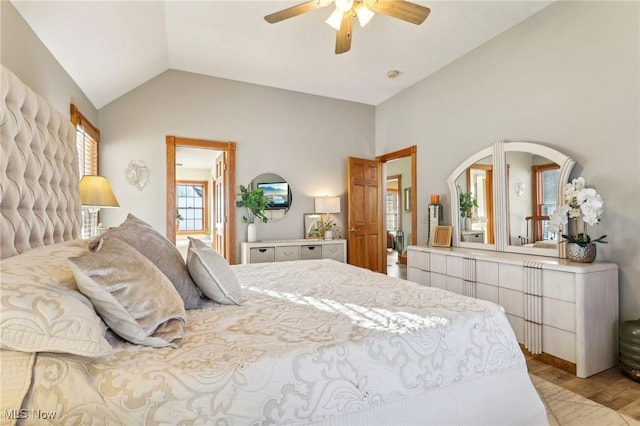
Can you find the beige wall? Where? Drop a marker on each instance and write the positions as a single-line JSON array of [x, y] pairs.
[[303, 138], [569, 78], [23, 53]]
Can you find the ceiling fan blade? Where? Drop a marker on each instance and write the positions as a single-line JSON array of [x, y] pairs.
[[343, 37], [295, 11], [400, 9]]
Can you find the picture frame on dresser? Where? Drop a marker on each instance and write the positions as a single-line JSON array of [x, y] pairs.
[[442, 236], [312, 222]]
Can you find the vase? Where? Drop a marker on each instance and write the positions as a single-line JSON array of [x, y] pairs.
[[576, 253], [467, 224], [251, 232], [630, 349]]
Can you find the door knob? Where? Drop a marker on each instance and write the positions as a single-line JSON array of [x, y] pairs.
[[353, 229]]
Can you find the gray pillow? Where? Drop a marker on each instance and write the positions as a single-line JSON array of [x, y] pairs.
[[160, 251], [134, 298], [212, 274]]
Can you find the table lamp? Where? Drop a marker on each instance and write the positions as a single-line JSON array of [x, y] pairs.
[[326, 206], [95, 193]]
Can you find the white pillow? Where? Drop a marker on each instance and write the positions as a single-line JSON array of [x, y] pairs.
[[212, 274], [41, 309], [132, 295]]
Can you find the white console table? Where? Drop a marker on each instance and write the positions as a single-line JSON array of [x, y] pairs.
[[283, 250], [555, 307]]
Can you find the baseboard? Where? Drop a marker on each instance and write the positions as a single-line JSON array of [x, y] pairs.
[[560, 363]]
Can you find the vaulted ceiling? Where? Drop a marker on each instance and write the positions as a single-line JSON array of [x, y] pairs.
[[111, 47]]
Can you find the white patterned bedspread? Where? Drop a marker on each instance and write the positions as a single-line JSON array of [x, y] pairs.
[[313, 339]]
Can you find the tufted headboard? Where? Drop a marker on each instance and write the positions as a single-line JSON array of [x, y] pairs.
[[39, 199]]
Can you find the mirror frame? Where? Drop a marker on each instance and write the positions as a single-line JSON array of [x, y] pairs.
[[253, 184], [499, 152]]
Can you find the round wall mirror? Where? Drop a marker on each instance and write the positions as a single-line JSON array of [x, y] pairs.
[[277, 191]]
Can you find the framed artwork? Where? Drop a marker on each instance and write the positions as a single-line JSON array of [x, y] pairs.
[[407, 199], [442, 236], [312, 222]]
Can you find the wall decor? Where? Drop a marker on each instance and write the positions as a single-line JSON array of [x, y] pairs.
[[312, 222], [407, 199], [137, 174]]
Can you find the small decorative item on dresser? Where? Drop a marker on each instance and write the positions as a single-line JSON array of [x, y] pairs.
[[583, 204], [630, 349], [582, 254]]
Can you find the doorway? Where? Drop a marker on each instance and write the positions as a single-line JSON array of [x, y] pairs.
[[199, 201], [400, 208], [366, 236]]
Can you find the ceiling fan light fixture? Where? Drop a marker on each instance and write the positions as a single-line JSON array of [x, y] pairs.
[[344, 5], [335, 20], [364, 15]]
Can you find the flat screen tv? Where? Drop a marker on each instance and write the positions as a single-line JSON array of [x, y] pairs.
[[277, 193]]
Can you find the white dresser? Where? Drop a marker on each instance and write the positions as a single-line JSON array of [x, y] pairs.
[[556, 307], [283, 250]]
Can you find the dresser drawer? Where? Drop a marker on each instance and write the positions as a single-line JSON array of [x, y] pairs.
[[284, 253], [438, 263], [333, 251], [487, 272], [511, 276], [559, 285], [262, 254], [311, 252]]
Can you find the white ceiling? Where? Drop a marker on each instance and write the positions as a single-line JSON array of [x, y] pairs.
[[111, 47]]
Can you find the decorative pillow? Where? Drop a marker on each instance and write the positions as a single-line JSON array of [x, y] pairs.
[[133, 297], [160, 251], [41, 309], [41, 319], [212, 274], [46, 265]]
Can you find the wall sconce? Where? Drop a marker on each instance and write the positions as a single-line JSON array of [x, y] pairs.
[[327, 205], [95, 193]]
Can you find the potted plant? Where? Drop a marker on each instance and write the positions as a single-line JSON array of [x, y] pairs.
[[583, 204], [327, 228], [467, 203], [256, 204]]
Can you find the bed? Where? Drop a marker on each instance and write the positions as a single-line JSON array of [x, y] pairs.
[[305, 342]]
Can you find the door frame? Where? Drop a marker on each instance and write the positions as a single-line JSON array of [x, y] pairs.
[[230, 148], [412, 152]]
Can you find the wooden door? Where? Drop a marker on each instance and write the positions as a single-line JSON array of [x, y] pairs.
[[365, 234], [219, 204]]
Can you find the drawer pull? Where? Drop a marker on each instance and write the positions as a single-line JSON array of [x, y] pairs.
[[262, 250]]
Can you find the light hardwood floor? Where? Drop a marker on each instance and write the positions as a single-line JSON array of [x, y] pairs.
[[610, 388]]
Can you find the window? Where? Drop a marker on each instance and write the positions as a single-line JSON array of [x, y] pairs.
[[192, 199], [392, 210], [546, 197], [87, 141]]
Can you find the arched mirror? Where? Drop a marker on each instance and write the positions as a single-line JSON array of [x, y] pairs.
[[475, 202], [509, 191], [472, 202], [277, 190]]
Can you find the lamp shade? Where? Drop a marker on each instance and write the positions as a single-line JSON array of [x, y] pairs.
[[327, 204], [95, 191]]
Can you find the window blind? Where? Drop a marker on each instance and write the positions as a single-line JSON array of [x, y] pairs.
[[87, 142]]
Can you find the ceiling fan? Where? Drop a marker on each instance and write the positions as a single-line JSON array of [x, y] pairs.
[[342, 17]]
